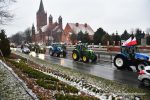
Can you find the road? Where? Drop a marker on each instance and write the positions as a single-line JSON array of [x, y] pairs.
[[101, 69]]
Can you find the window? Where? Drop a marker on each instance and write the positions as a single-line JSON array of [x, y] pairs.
[[148, 71]]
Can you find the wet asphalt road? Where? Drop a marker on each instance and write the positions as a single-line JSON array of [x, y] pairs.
[[101, 69]]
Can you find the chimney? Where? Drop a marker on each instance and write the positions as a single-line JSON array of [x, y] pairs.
[[77, 24], [85, 24]]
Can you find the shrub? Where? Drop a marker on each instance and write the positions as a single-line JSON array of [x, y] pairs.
[[4, 44]]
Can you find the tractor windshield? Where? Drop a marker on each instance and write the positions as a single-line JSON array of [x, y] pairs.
[[81, 47], [128, 49]]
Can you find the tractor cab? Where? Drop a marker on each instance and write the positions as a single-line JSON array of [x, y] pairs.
[[129, 51], [82, 47]]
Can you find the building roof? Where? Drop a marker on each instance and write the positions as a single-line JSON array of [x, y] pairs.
[[49, 27], [76, 28], [45, 28]]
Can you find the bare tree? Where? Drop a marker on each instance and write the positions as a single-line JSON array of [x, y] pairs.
[[5, 14], [148, 31]]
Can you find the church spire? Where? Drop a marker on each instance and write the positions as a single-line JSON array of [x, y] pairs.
[[41, 8]]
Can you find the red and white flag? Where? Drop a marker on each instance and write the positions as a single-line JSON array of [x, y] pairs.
[[130, 42], [133, 42], [127, 41]]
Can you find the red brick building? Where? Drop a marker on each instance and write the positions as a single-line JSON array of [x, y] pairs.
[[76, 28], [46, 31]]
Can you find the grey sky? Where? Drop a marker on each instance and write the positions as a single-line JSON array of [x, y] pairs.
[[111, 15]]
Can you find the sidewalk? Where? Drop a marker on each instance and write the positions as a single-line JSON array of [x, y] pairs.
[[11, 88]]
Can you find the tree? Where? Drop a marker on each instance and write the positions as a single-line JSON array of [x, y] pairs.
[[5, 14], [116, 38], [125, 35], [4, 44], [22, 37], [86, 38], [148, 31], [28, 37], [139, 35], [17, 38], [97, 38], [73, 38], [80, 36], [148, 40], [106, 38]]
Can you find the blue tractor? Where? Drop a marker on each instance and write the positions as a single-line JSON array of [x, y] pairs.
[[58, 50], [130, 57]]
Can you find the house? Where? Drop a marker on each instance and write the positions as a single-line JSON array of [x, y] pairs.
[[76, 28]]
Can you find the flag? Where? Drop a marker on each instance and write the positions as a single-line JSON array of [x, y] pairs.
[[127, 41], [130, 42], [133, 42]]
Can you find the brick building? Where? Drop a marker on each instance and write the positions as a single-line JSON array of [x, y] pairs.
[[46, 31], [76, 28]]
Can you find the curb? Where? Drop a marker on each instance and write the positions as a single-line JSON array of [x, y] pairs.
[[21, 82]]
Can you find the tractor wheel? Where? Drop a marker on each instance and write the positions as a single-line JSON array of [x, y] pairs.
[[64, 54], [141, 65], [146, 82], [58, 54], [52, 53], [94, 58], [120, 62], [75, 56], [85, 59]]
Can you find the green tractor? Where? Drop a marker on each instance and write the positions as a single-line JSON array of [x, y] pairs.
[[82, 52]]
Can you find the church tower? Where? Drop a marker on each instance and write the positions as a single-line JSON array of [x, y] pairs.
[[50, 19], [60, 21], [41, 16]]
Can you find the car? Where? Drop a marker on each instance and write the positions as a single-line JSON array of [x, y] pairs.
[[144, 76], [26, 50]]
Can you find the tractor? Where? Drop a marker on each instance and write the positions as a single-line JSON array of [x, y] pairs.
[[81, 52], [130, 57], [58, 50]]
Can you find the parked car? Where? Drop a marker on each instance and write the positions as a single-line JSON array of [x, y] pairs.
[[144, 76]]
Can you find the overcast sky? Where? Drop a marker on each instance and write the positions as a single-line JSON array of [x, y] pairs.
[[111, 15]]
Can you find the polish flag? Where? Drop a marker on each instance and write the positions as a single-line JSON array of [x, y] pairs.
[[130, 42], [127, 41], [133, 42]]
